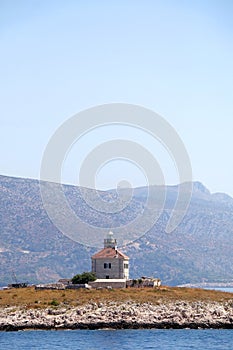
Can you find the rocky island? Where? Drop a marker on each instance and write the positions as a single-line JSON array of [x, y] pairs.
[[165, 307]]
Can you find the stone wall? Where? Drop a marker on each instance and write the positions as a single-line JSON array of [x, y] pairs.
[[50, 286], [143, 282], [77, 286]]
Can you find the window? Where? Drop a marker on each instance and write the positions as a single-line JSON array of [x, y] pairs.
[[107, 265], [126, 266], [107, 277]]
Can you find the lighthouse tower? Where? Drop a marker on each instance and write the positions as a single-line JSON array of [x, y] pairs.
[[110, 263]]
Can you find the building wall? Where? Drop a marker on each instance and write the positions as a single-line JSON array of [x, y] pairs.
[[102, 268], [126, 268], [113, 284]]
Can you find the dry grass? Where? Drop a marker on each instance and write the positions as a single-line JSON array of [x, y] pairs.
[[31, 298]]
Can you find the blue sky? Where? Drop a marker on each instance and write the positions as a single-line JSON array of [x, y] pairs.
[[174, 57]]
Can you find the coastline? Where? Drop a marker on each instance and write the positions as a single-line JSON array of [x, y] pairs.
[[208, 285], [115, 315]]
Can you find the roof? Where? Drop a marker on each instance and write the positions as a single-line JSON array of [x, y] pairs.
[[109, 253]]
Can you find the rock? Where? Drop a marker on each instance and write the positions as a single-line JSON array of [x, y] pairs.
[[121, 315]]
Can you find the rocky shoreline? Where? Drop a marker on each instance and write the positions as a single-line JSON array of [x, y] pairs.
[[125, 315]]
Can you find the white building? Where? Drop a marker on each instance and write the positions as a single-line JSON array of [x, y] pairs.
[[110, 263]]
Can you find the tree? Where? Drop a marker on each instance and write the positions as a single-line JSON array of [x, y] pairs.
[[83, 278]]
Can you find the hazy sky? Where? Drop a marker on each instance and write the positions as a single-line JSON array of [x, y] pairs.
[[174, 57]]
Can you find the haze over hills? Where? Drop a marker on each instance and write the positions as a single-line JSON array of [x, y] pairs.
[[200, 249]]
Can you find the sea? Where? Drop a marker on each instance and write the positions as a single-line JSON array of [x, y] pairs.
[[223, 289], [143, 339]]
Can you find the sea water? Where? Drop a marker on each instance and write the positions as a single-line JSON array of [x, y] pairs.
[[211, 339], [222, 289]]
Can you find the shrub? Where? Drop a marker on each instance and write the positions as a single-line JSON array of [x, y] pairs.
[[54, 302], [83, 278]]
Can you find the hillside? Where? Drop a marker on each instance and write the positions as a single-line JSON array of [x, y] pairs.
[[200, 249]]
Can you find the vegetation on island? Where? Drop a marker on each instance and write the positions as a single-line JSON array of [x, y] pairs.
[[31, 298], [83, 278]]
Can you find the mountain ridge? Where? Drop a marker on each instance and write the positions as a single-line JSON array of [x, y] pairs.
[[198, 250]]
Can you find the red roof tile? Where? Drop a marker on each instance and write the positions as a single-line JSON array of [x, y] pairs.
[[109, 253]]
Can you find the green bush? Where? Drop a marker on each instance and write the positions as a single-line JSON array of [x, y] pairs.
[[54, 302], [83, 278]]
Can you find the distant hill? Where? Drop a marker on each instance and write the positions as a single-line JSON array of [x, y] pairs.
[[200, 249]]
